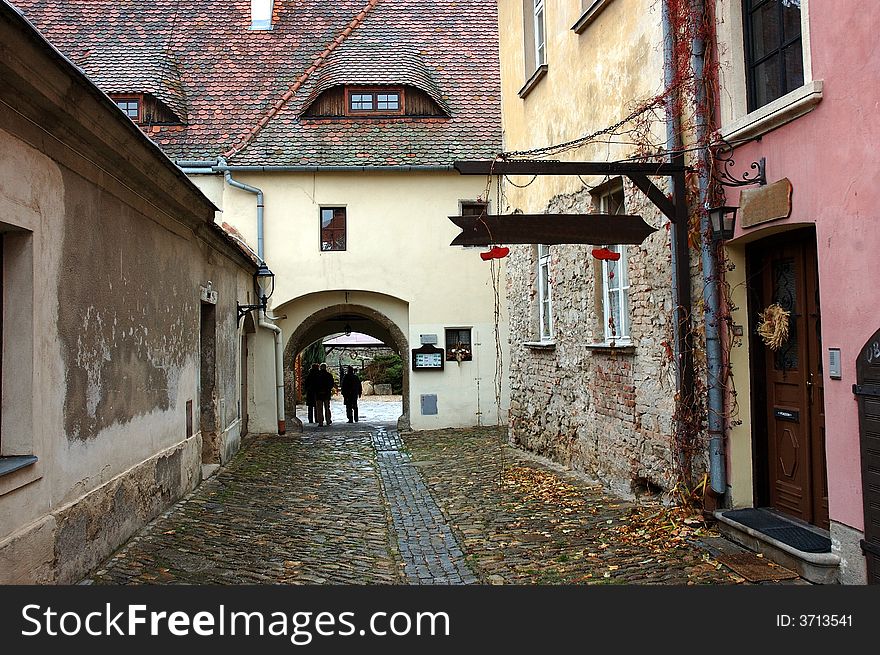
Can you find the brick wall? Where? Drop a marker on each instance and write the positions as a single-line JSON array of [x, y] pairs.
[[606, 412]]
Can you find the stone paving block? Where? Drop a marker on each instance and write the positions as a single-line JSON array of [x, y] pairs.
[[346, 505]]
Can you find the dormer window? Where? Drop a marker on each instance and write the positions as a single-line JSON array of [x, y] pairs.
[[131, 105], [380, 102], [145, 109]]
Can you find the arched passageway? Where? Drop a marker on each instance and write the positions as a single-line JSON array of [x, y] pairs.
[[333, 320]]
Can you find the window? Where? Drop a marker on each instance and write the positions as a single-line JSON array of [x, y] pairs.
[[614, 280], [534, 44], [17, 360], [774, 49], [540, 39], [376, 101], [332, 228], [458, 345], [131, 105], [545, 306]]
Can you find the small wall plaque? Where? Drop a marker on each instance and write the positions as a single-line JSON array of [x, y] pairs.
[[428, 338], [764, 204], [427, 358], [207, 293]]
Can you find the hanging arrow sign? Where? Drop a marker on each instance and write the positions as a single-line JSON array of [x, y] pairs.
[[551, 229]]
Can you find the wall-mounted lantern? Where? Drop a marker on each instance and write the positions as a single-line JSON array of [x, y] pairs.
[[722, 221], [264, 285]]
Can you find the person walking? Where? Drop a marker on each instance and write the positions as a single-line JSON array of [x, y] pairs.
[[309, 387], [351, 391], [324, 384]]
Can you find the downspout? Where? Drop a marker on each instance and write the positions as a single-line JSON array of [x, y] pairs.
[[279, 370], [680, 254], [263, 323], [221, 165], [709, 257]]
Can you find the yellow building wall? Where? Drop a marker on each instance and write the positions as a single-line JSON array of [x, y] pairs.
[[397, 240], [593, 80]]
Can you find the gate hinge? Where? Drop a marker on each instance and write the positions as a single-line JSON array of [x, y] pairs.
[[866, 389], [868, 547]]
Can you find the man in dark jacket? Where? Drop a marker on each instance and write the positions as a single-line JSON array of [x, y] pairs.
[[309, 387], [351, 391], [323, 391]]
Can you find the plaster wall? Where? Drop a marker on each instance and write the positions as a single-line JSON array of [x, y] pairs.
[[109, 355], [832, 189], [398, 262], [593, 80]]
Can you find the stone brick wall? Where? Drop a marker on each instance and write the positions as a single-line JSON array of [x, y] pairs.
[[605, 411]]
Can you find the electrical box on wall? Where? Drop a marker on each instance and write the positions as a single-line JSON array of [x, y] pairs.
[[429, 404], [834, 371]]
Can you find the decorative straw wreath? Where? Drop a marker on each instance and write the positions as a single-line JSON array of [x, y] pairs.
[[773, 326]]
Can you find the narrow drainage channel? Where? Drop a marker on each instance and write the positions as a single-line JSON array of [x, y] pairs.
[[429, 549]]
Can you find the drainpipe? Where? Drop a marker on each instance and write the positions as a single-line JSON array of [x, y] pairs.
[[279, 370], [680, 254], [263, 323], [708, 254], [221, 166]]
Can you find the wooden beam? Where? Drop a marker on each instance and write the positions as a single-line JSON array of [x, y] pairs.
[[548, 167], [595, 229], [654, 194]]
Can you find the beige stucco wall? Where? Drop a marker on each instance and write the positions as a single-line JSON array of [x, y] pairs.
[[398, 261], [105, 343], [593, 80]]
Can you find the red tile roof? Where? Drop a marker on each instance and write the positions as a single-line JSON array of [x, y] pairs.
[[241, 92]]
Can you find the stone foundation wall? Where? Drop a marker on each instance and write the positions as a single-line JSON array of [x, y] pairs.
[[605, 411], [65, 545]]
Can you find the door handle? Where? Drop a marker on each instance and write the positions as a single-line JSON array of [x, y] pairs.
[[810, 388]]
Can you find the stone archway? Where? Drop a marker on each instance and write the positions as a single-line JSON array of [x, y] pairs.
[[305, 334]]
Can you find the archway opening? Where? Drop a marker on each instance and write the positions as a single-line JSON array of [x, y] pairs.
[[379, 335]]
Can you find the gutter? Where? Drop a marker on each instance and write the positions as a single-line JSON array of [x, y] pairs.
[[208, 167]]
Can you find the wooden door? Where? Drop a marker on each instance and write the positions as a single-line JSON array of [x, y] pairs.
[[795, 417], [243, 401], [867, 390]]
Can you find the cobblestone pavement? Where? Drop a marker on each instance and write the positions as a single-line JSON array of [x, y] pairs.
[[353, 504], [427, 545]]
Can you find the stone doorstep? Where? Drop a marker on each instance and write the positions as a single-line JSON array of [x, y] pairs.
[[818, 568]]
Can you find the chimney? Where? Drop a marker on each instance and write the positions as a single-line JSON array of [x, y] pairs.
[[261, 14]]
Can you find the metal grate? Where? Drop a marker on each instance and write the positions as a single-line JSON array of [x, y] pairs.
[[781, 529]]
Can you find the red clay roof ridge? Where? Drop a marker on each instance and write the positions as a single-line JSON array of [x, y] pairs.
[[287, 95]]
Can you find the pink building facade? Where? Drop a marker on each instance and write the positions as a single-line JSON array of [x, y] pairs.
[[800, 87]]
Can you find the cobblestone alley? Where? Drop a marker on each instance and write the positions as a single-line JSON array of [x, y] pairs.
[[358, 504]]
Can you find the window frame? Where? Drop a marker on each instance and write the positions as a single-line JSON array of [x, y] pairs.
[[622, 335], [750, 8], [135, 97], [545, 304], [375, 92], [20, 445], [344, 229], [539, 16], [450, 350]]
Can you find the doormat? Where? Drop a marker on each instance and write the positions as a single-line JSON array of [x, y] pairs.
[[754, 568], [781, 529]]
